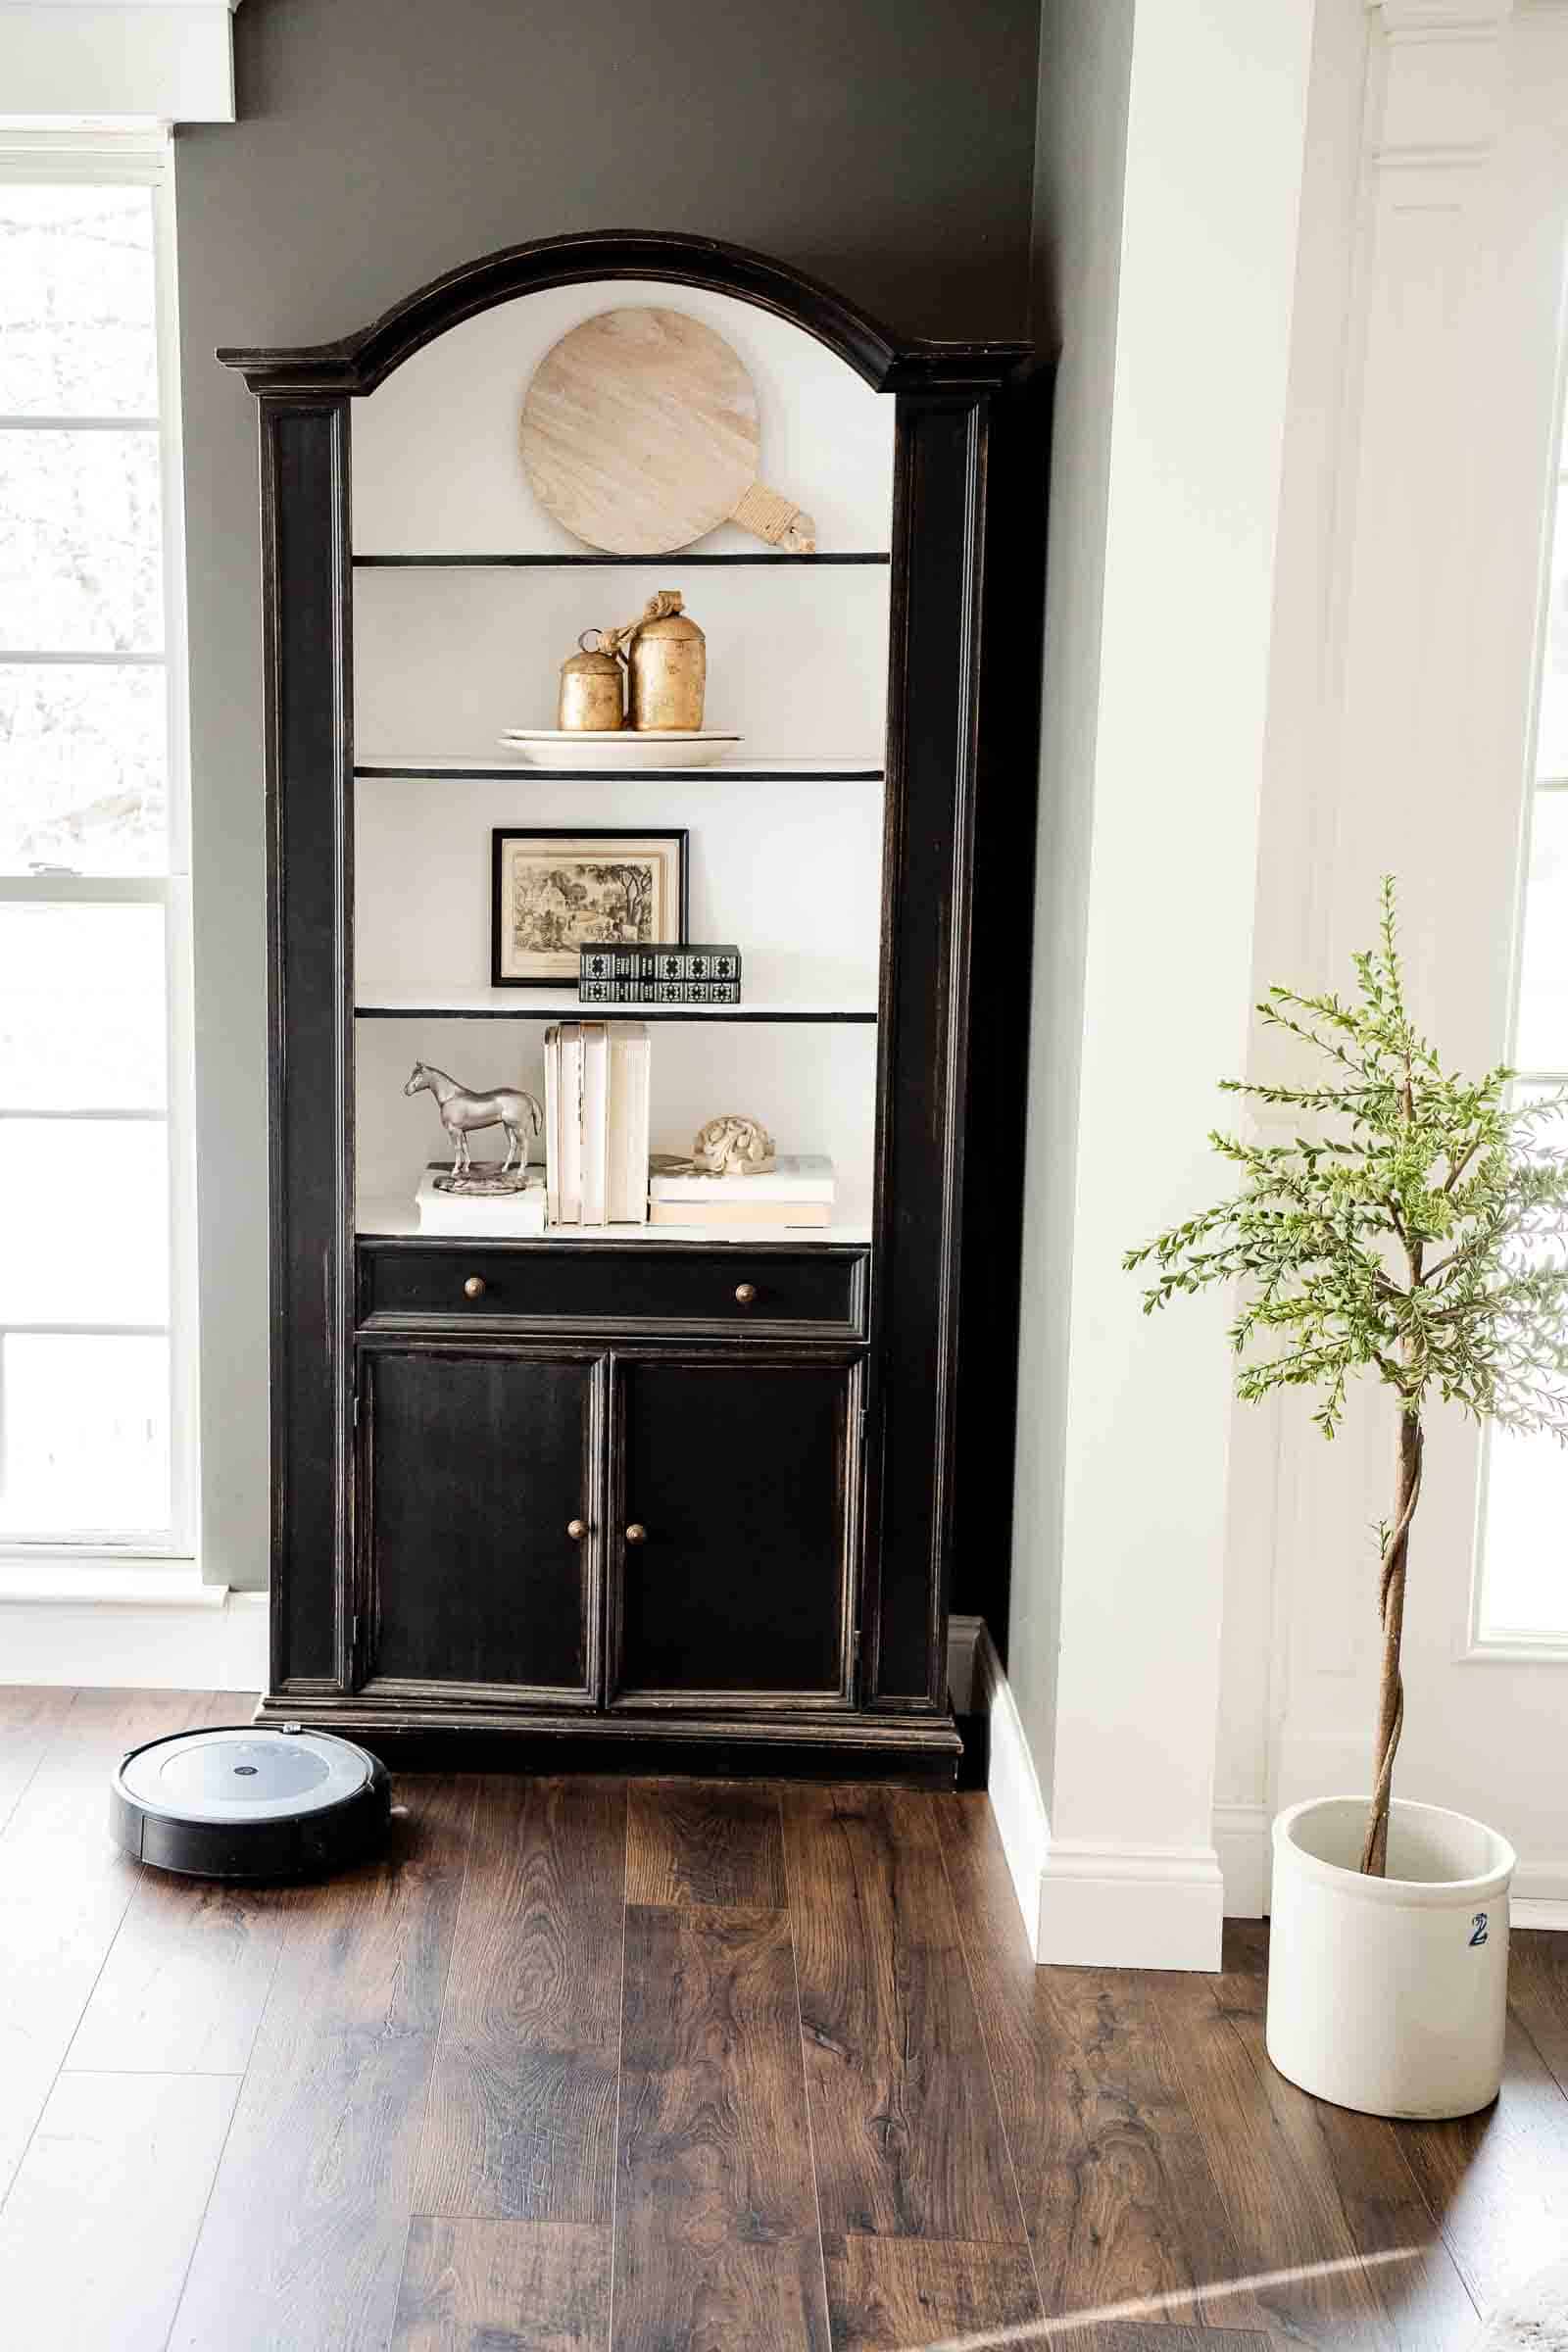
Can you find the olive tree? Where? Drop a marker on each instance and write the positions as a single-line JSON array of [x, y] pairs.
[[1415, 1228]]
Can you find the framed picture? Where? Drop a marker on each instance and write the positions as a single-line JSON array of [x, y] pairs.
[[554, 887]]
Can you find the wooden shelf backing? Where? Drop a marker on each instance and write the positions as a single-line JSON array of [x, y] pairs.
[[551, 1005], [559, 562], [382, 1218]]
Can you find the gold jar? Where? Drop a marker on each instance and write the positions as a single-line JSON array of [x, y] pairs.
[[666, 659], [592, 689]]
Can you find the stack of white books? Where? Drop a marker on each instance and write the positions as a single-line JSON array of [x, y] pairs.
[[504, 1216], [796, 1191], [597, 1085]]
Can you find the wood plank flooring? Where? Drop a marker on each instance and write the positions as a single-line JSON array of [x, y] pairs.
[[596, 2065]]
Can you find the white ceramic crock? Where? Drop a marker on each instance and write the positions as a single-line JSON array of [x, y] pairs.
[[1389, 1994]]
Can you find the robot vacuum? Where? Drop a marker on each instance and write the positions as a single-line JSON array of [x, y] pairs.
[[250, 1802]]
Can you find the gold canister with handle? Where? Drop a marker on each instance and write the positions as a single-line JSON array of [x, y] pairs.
[[593, 688], [666, 663]]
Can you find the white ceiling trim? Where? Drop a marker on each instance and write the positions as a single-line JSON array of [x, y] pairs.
[[118, 61]]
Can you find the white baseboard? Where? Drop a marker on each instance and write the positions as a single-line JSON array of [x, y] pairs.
[[132, 1629], [1013, 1784], [1089, 1905], [1538, 1897], [1107, 1905], [1526, 1911], [1111, 1904]]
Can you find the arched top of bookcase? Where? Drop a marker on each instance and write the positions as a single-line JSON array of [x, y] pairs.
[[358, 362]]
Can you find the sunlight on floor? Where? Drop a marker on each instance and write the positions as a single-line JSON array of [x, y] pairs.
[[1143, 2306]]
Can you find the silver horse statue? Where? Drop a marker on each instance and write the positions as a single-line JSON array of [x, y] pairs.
[[464, 1114]]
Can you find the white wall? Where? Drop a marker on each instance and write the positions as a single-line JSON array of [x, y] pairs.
[[1085, 67], [1423, 394], [1215, 123], [1303, 658]]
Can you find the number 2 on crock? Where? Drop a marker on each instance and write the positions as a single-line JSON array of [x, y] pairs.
[[1477, 1927]]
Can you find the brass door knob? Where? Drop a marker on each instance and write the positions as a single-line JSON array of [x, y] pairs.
[[473, 1287], [745, 1293], [636, 1532], [576, 1529]]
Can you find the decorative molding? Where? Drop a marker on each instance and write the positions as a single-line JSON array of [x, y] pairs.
[[135, 8], [1435, 98], [1441, 19], [132, 1629], [358, 362], [145, 60]]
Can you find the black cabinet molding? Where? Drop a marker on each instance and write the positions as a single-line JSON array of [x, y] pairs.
[[307, 590]]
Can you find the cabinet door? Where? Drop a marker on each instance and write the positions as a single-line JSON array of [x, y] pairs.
[[476, 1468], [734, 1538]]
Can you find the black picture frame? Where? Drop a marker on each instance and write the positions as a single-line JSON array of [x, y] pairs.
[[676, 837]]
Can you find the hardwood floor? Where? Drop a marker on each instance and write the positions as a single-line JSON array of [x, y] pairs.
[[595, 2065]]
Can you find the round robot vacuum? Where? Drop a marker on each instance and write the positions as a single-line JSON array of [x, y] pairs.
[[250, 1803]]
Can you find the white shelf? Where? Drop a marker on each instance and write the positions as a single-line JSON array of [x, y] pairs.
[[553, 1005], [522, 559], [490, 765], [398, 1219]]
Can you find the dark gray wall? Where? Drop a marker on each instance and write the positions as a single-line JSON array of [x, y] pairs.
[[885, 145]]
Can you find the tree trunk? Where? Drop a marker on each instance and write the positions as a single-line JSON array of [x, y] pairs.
[[1391, 1688]]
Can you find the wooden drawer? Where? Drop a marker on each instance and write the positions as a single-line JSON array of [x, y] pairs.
[[606, 1286]]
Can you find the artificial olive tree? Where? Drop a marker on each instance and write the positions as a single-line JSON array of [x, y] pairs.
[[1415, 1227]]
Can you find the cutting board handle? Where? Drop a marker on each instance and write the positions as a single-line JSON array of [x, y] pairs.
[[778, 520]]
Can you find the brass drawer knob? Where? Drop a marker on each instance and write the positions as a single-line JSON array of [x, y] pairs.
[[576, 1529], [745, 1293], [473, 1287], [636, 1532]]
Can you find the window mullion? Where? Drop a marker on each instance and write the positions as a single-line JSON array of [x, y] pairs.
[[80, 424], [86, 890]]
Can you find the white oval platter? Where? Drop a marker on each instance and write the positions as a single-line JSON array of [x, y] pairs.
[[613, 747]]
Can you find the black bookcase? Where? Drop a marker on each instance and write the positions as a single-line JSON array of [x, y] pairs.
[[671, 1505]]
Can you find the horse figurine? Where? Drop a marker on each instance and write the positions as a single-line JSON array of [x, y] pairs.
[[463, 1114]]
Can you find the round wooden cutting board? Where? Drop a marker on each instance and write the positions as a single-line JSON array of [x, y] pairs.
[[640, 434]]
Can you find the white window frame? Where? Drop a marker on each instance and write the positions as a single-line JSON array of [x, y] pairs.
[[145, 159], [1547, 1644]]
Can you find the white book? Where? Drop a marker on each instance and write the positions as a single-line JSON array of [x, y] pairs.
[[570, 1123], [553, 1122], [630, 1058], [504, 1216], [796, 1176], [595, 1121], [762, 1216]]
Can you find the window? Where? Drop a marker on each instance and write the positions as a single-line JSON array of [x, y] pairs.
[[1522, 1589], [95, 1183]]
